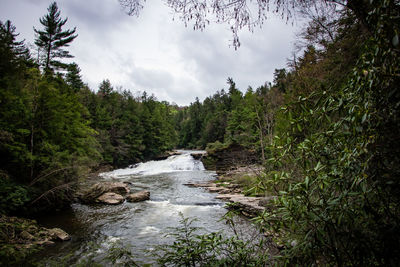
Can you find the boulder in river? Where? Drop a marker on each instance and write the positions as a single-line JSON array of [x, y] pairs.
[[139, 196], [110, 198], [59, 234], [99, 189]]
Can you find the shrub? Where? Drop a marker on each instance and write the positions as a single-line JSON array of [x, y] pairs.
[[13, 197], [212, 249]]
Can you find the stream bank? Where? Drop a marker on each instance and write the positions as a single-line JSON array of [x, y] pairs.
[[235, 167]]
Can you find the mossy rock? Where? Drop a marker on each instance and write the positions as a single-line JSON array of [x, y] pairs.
[[20, 238]]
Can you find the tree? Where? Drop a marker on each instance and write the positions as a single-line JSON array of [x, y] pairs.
[[73, 77], [105, 88], [280, 79], [52, 40], [12, 52]]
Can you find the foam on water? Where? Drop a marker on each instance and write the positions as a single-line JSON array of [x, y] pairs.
[[184, 162], [149, 230]]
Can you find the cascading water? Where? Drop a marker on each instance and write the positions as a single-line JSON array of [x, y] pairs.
[[143, 225], [183, 162]]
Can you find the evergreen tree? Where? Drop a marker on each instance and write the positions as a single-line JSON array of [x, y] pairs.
[[73, 77], [12, 52], [105, 88], [52, 40]]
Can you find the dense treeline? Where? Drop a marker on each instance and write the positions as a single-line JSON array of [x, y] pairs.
[[129, 129], [232, 118], [54, 129]]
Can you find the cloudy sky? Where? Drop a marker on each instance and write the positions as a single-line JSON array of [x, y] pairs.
[[156, 53]]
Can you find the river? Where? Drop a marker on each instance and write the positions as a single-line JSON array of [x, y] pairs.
[[141, 226]]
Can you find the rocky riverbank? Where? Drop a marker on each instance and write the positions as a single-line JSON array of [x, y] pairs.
[[236, 168], [228, 158], [21, 237], [247, 205]]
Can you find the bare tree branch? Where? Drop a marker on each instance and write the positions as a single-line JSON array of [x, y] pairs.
[[238, 14], [48, 174], [52, 191], [132, 7]]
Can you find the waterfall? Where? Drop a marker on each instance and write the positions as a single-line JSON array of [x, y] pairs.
[[177, 163]]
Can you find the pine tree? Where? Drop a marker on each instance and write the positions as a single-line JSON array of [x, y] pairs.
[[12, 52], [73, 77], [53, 39]]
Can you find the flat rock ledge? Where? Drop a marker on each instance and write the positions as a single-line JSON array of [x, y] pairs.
[[248, 206], [167, 154]]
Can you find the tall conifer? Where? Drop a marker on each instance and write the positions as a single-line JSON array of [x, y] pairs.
[[52, 40], [12, 52]]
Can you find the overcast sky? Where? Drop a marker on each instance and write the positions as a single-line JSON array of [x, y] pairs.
[[155, 53]]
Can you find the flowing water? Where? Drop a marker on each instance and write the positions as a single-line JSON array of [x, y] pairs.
[[143, 225]]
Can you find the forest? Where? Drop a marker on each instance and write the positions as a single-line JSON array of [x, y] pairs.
[[326, 131]]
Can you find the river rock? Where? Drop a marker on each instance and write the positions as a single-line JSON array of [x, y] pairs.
[[223, 188], [99, 189], [110, 198], [249, 206], [139, 196], [59, 234], [197, 156], [45, 242], [166, 155], [204, 185]]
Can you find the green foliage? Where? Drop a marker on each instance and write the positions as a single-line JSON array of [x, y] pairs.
[[129, 129], [213, 249], [15, 249], [335, 163], [13, 53], [12, 256], [217, 145], [13, 197], [50, 145], [232, 117], [63, 128], [117, 254], [73, 77]]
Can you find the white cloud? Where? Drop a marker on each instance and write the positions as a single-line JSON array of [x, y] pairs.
[[156, 53]]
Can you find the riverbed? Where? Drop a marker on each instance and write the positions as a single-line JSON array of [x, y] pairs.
[[141, 226]]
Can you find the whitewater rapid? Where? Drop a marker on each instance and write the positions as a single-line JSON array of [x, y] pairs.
[[176, 163]]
